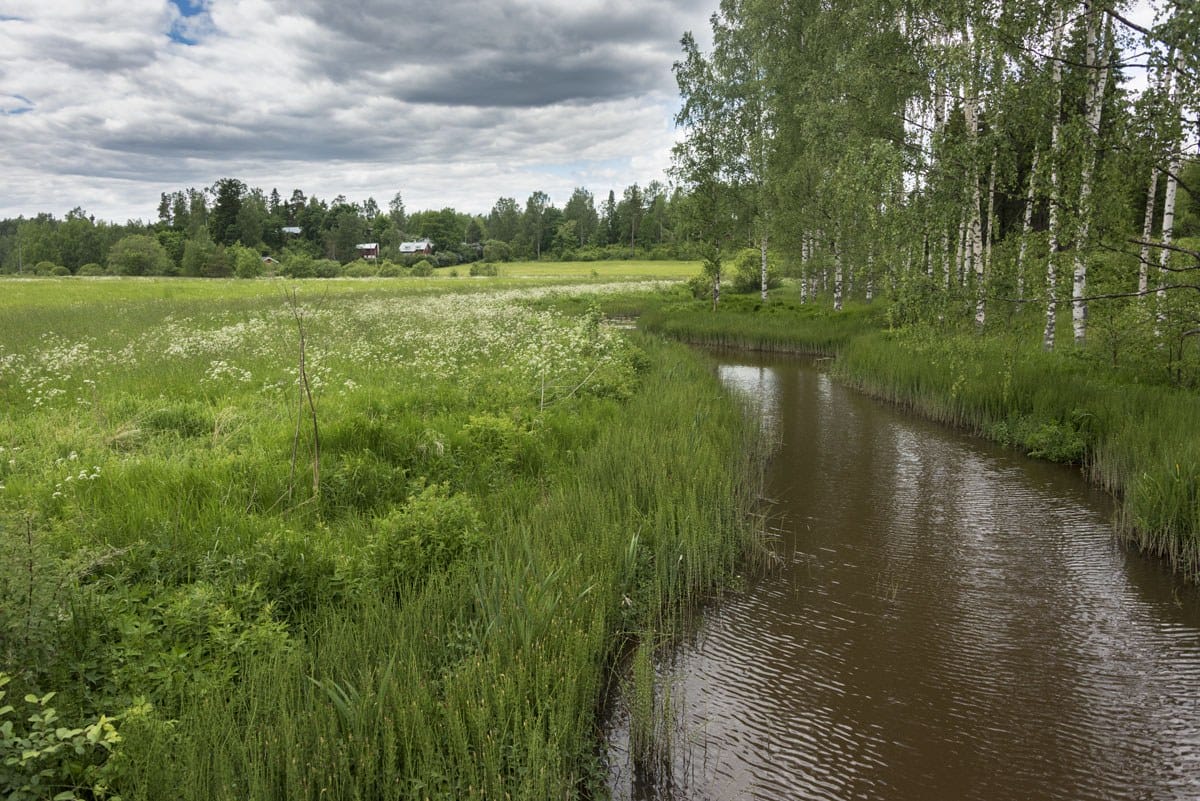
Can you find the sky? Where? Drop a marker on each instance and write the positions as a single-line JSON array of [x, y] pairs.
[[105, 104]]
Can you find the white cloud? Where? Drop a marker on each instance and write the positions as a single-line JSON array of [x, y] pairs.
[[452, 102]]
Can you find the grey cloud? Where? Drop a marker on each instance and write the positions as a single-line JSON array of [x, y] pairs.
[[461, 52]]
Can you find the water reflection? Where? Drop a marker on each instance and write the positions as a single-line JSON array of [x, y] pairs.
[[955, 622]]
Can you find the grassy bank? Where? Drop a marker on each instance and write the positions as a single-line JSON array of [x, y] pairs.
[[1134, 437], [399, 568]]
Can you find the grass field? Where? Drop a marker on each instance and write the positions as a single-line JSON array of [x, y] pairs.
[[597, 270], [382, 539]]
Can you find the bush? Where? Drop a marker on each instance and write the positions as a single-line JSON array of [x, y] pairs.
[[496, 250], [445, 258], [430, 532], [44, 268], [247, 262], [747, 272], [327, 268], [483, 268], [391, 270], [360, 269], [298, 265], [422, 269], [59, 271], [91, 268], [138, 254]]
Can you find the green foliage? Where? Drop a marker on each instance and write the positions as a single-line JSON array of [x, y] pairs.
[[391, 270], [247, 262], [91, 268], [747, 272], [326, 268], [298, 265], [40, 758], [138, 254], [422, 269], [432, 530], [483, 269], [360, 269], [203, 258], [59, 271]]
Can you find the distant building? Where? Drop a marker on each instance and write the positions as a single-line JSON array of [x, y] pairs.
[[294, 230], [269, 260], [368, 251], [420, 246]]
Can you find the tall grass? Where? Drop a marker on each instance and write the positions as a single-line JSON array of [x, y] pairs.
[[484, 682], [780, 326]]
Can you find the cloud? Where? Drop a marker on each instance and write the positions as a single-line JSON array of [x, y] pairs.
[[453, 101]]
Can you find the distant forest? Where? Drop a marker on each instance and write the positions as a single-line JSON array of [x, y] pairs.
[[226, 229]]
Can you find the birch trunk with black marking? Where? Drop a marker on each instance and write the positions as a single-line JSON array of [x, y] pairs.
[[1055, 213], [1027, 224], [1097, 50]]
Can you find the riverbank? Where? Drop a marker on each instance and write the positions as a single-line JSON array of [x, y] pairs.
[[400, 566], [1134, 439]]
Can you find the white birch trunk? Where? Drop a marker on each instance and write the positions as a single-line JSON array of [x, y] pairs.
[[1147, 230], [1095, 52], [762, 247], [1055, 221], [1027, 224], [1168, 218], [870, 278], [989, 237], [974, 223], [946, 258], [837, 278]]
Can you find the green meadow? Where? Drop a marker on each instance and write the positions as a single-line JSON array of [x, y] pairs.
[[342, 539], [596, 270]]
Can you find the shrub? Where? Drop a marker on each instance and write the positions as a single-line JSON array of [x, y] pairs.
[[360, 269], [327, 268], [496, 250], [298, 265], [59, 270], [91, 268], [44, 268], [247, 262], [422, 269], [483, 268], [390, 270], [430, 532], [747, 272]]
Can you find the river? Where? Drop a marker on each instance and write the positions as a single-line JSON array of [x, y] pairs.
[[950, 620]]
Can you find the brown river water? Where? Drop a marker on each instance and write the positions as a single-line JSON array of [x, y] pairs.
[[951, 621]]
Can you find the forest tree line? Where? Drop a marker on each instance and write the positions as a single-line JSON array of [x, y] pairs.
[[974, 161], [225, 229]]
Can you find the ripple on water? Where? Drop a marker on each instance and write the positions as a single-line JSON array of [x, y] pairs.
[[954, 621]]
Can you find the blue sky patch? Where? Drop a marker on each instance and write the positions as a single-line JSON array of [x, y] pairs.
[[183, 31], [12, 105]]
